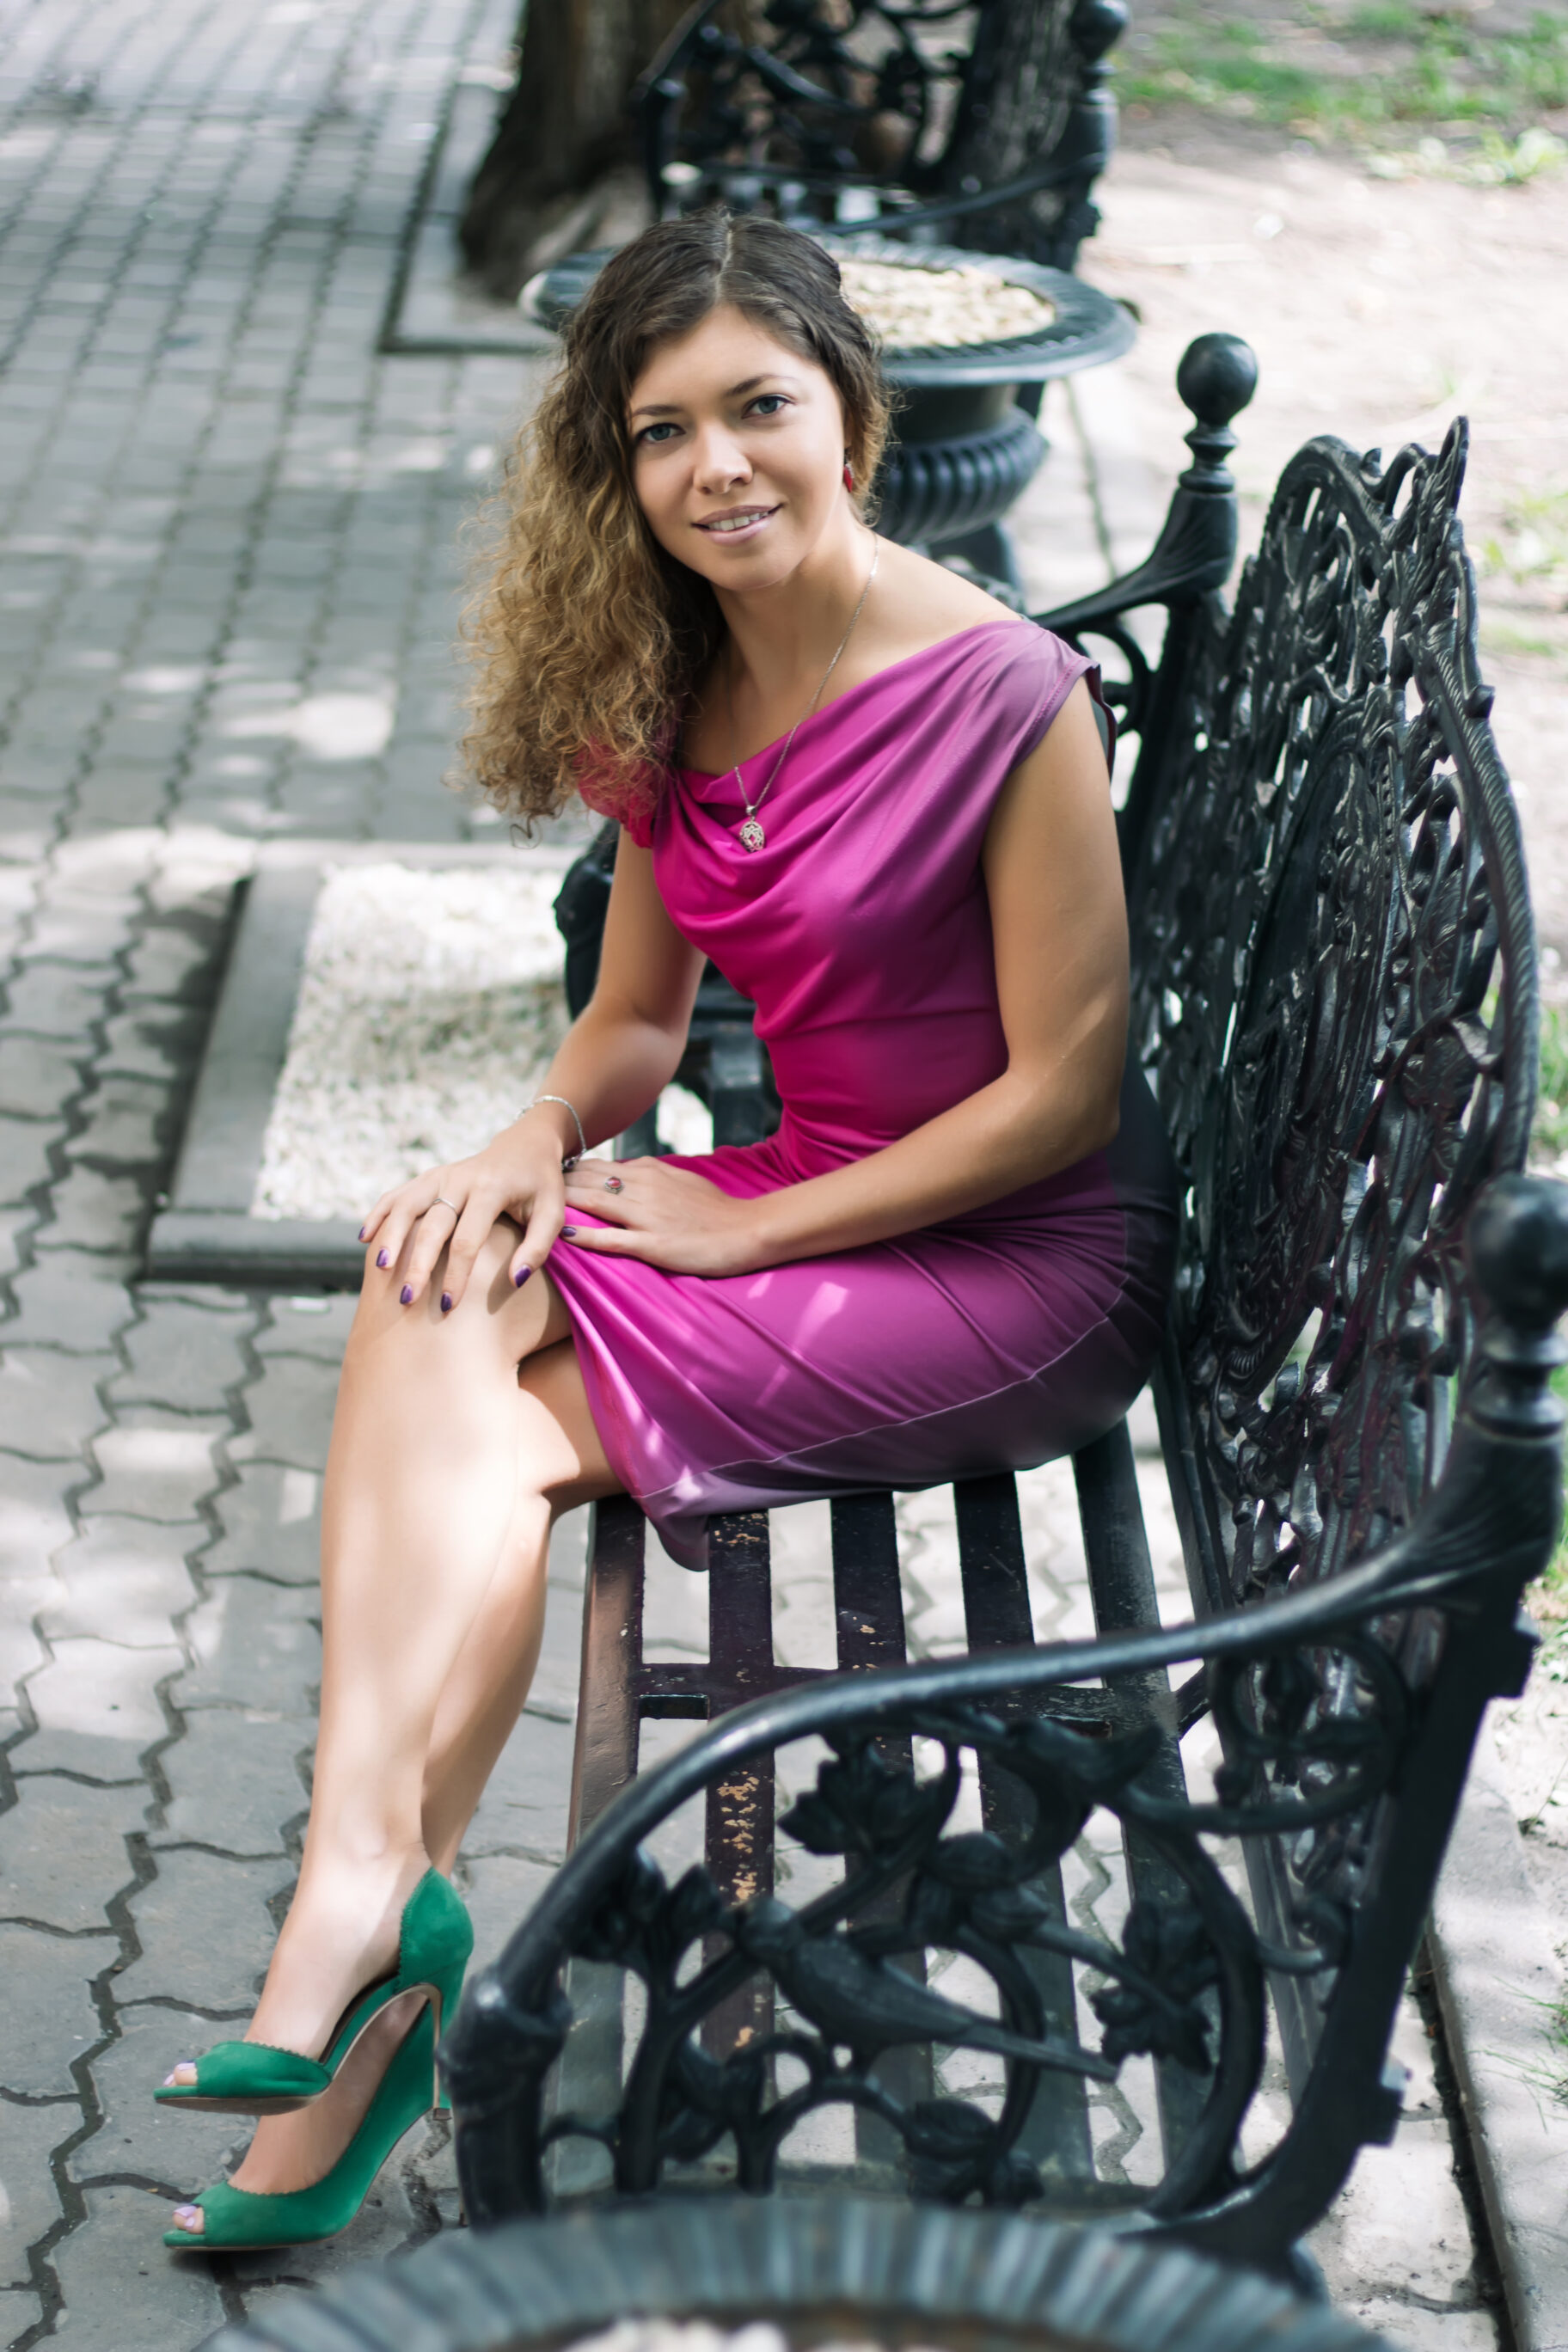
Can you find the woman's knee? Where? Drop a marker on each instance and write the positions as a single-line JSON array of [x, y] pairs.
[[494, 1252], [494, 1327]]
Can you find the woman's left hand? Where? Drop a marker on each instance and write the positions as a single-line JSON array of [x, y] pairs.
[[668, 1217]]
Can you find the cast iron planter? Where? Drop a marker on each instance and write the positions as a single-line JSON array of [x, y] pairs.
[[823, 2270]]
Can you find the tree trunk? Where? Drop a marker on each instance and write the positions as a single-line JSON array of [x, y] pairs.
[[564, 152]]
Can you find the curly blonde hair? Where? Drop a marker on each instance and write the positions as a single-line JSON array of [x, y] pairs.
[[586, 637]]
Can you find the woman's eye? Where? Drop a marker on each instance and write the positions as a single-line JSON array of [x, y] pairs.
[[649, 432], [768, 404]]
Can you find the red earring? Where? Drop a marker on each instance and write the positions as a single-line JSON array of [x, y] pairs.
[[849, 477]]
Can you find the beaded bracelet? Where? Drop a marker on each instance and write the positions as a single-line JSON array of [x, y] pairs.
[[581, 1137]]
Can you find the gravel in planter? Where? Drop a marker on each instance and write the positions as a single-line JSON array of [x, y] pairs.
[[912, 308]]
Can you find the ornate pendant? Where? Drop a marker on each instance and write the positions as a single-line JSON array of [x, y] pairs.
[[752, 835]]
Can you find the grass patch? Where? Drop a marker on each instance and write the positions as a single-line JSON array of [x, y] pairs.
[[1396, 20], [1557, 2035], [1504, 637], [1549, 1136], [1532, 545], [1440, 71], [1214, 65]]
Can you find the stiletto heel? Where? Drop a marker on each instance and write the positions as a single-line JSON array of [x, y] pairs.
[[434, 1938], [235, 2218]]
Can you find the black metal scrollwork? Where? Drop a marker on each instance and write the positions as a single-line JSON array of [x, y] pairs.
[[1184, 1985], [825, 95], [906, 115], [1336, 996]]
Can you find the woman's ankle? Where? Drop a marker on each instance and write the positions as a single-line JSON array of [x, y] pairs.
[[341, 1936], [340, 1849], [335, 1871]]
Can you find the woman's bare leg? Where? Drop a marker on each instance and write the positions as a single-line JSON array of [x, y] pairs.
[[447, 1465], [485, 1691], [427, 1478]]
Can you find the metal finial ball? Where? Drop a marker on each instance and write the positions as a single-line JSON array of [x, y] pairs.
[[1517, 1244], [1217, 378], [1095, 24]]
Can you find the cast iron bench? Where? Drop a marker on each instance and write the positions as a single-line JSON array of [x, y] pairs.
[[1335, 998], [867, 112]]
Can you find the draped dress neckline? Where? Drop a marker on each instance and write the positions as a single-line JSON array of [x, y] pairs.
[[700, 776]]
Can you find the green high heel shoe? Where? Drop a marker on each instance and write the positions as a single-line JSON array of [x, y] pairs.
[[237, 2218], [251, 2078]]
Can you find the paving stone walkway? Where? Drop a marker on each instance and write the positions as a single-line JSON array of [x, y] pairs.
[[226, 592], [226, 601]]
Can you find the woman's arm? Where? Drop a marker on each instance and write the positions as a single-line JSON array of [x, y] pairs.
[[1058, 920], [622, 1048], [625, 1044]]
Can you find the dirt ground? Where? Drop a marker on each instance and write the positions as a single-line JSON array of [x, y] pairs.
[[1378, 309]]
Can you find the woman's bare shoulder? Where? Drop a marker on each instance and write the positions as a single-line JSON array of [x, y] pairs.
[[929, 602]]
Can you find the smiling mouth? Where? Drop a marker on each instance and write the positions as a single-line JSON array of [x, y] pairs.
[[723, 525]]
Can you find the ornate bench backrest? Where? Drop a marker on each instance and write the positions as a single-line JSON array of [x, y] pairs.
[[1335, 997], [848, 112]]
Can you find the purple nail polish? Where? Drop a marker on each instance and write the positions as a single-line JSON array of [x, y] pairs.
[[446, 1302], [361, 1232], [568, 1232], [185, 2215], [519, 1279], [407, 1294], [382, 1258]]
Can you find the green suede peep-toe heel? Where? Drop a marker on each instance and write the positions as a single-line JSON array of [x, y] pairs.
[[250, 2078], [240, 2218]]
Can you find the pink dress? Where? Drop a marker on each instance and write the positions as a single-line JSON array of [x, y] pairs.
[[861, 931]]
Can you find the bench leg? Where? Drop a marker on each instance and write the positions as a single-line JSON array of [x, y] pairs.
[[1122, 1586], [603, 1760], [997, 1616], [869, 1613], [738, 1832]]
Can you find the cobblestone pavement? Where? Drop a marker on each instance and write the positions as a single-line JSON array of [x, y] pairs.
[[226, 596]]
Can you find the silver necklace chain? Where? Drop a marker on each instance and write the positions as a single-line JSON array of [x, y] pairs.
[[751, 836]]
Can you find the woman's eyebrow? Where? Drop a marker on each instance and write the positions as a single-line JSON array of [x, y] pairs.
[[734, 392]]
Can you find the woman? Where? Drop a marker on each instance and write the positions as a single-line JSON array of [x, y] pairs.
[[878, 799]]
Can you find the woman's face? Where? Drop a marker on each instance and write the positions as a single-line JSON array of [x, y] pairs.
[[736, 452]]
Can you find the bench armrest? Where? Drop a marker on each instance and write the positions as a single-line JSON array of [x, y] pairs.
[[1347, 1712]]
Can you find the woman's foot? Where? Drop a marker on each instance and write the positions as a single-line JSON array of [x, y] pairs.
[[340, 1937], [290, 2152]]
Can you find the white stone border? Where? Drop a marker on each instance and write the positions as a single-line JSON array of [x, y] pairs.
[[206, 1232]]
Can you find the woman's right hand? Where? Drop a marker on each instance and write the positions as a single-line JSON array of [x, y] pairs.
[[454, 1207]]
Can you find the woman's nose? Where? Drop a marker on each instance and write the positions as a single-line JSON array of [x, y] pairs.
[[720, 462]]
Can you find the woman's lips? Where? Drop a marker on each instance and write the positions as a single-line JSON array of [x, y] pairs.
[[732, 531]]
